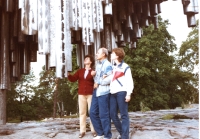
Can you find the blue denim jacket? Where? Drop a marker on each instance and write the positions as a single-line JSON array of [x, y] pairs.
[[103, 67]]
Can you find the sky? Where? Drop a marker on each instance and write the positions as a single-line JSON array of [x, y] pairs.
[[171, 10]]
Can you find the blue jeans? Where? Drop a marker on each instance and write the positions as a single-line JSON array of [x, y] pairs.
[[117, 103], [100, 116]]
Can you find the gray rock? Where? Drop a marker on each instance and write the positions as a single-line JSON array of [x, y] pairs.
[[181, 124]]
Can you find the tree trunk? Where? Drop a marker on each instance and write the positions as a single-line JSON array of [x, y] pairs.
[[55, 98], [54, 103], [2, 107]]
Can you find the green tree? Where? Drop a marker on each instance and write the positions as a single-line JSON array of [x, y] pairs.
[[189, 51], [12, 103], [158, 83], [19, 98], [43, 98], [188, 62], [68, 104], [74, 86]]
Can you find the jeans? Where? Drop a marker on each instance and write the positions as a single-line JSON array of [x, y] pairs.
[[117, 103], [100, 116]]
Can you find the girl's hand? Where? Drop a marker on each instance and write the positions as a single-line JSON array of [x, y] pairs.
[[93, 73], [95, 85], [104, 76], [127, 98], [68, 73]]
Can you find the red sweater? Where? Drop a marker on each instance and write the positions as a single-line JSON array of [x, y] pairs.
[[85, 85]]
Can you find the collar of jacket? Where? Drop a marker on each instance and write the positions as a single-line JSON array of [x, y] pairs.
[[120, 65], [102, 61]]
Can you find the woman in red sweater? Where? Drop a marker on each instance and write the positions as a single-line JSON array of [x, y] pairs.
[[85, 90]]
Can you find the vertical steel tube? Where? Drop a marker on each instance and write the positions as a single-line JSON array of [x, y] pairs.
[[33, 52], [21, 36], [15, 26], [9, 5], [67, 40], [26, 61], [2, 107], [108, 40], [4, 56], [191, 20], [29, 17], [43, 28]]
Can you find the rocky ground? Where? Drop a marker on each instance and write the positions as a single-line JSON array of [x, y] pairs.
[[163, 124]]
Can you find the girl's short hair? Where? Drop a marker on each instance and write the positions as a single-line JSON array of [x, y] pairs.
[[120, 53], [91, 59]]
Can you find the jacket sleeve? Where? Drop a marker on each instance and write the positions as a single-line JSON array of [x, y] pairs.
[[95, 77], [106, 81], [129, 79], [108, 72], [75, 77]]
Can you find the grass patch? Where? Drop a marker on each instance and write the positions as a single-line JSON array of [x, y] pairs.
[[12, 120], [174, 116], [72, 116], [168, 117]]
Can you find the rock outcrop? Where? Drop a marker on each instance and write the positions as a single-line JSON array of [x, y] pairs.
[[161, 124]]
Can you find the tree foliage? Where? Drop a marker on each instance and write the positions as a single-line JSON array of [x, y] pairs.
[[188, 62], [43, 98], [28, 101], [73, 86], [19, 98], [189, 51], [158, 83]]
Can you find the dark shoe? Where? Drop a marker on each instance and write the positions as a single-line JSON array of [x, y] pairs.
[[81, 135], [94, 134]]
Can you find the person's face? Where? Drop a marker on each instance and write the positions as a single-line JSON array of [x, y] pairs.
[[87, 61], [114, 56], [100, 54]]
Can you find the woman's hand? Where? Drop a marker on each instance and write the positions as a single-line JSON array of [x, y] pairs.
[[93, 73], [104, 76], [127, 98], [95, 85]]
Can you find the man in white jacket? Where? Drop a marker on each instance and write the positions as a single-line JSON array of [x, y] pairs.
[[121, 87]]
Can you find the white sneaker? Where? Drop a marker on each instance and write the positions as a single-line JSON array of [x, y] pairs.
[[98, 137], [119, 137]]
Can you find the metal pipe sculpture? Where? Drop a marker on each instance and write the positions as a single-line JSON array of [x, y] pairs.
[[51, 27]]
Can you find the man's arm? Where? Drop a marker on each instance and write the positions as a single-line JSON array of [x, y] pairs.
[[107, 80]]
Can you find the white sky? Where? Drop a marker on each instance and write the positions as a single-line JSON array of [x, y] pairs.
[[37, 66], [171, 10]]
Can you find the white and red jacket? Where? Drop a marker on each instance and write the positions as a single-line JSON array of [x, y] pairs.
[[121, 79]]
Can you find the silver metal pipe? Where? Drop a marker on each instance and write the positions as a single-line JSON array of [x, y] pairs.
[[43, 26], [29, 17], [4, 52]]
